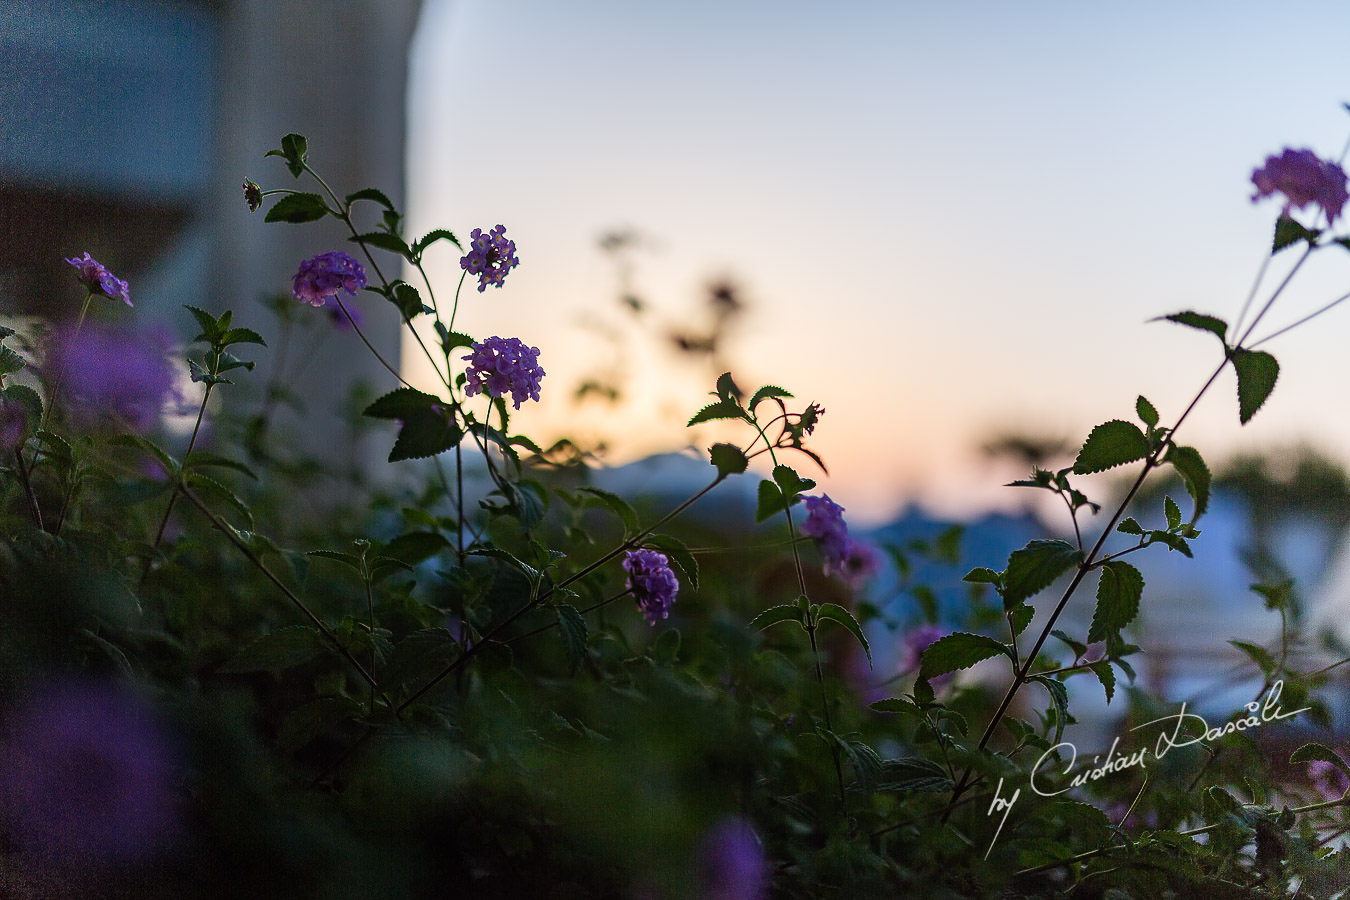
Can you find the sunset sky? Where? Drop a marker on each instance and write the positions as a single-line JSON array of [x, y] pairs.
[[948, 220]]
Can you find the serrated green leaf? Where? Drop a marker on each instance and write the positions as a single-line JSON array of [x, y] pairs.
[[1288, 232], [896, 705], [1078, 647], [294, 147], [1215, 326], [400, 404], [617, 505], [574, 633], [1314, 751], [1118, 593], [727, 388], [729, 459], [241, 336], [1129, 526], [1191, 466], [1257, 372], [415, 547], [835, 613], [1020, 617], [913, 774], [210, 486], [1035, 567], [10, 362], [722, 409], [350, 560], [1172, 512], [1059, 699], [140, 442], [297, 208], [765, 393], [982, 575], [385, 241], [770, 501], [959, 650], [679, 554], [203, 459], [1107, 676], [370, 194], [1147, 414], [866, 764], [791, 483], [1259, 655], [1111, 444], [408, 300], [426, 433], [440, 234], [282, 649], [498, 553], [452, 340], [788, 612]]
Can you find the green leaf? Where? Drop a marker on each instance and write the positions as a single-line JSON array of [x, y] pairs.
[[1189, 464], [1215, 326], [896, 705], [1107, 676], [350, 560], [370, 194], [290, 646], [131, 439], [294, 148], [1020, 617], [1172, 512], [210, 486], [424, 434], [1147, 414], [959, 650], [400, 404], [792, 484], [1059, 698], [414, 547], [727, 388], [866, 764], [241, 336], [385, 241], [454, 339], [408, 301], [574, 633], [913, 774], [207, 323], [1257, 372], [722, 409], [836, 613], [729, 459], [1258, 655], [297, 208], [981, 575], [1287, 232], [788, 612], [679, 554], [1033, 568], [765, 393], [440, 234], [1078, 647], [1129, 526], [1314, 751], [617, 505], [770, 501], [1118, 594], [10, 362], [1111, 444], [203, 459]]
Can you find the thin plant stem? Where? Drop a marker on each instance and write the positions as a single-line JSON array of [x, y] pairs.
[[173, 498], [33, 506]]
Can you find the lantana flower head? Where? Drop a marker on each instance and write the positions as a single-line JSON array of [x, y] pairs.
[[652, 582], [322, 276], [491, 257], [1303, 179], [98, 280], [117, 372], [499, 366], [825, 523], [252, 195]]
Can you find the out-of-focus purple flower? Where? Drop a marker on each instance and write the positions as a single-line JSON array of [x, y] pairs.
[[915, 642], [322, 276], [825, 523], [1327, 779], [861, 562], [1303, 178], [340, 319], [652, 582], [117, 372], [252, 195], [491, 257], [98, 280], [87, 774], [499, 366], [733, 862], [13, 419]]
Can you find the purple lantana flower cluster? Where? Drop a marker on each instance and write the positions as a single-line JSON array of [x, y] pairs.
[[491, 256], [652, 582], [499, 366], [322, 276], [825, 523], [1304, 179], [117, 372], [98, 280]]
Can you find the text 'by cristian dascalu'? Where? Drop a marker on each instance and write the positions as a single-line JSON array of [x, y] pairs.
[[1262, 711]]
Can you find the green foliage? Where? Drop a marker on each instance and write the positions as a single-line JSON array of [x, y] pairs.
[[1111, 444], [1035, 567], [1257, 372], [959, 651]]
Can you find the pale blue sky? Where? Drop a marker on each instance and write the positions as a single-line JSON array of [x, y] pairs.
[[950, 218]]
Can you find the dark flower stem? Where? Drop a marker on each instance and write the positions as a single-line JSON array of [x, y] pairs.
[[173, 498], [28, 488]]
